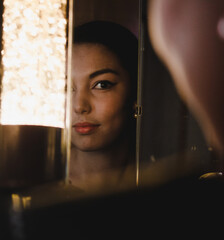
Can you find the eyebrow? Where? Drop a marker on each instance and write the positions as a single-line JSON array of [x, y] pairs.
[[103, 71]]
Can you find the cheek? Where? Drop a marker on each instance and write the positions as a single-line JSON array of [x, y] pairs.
[[111, 109]]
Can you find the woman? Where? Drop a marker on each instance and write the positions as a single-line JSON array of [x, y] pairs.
[[105, 63]]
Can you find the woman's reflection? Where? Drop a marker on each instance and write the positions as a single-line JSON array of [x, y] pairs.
[[105, 61]]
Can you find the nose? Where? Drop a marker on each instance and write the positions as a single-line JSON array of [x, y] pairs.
[[81, 102]]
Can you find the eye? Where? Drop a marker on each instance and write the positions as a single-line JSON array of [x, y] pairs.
[[103, 85]]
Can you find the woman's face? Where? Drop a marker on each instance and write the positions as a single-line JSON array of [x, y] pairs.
[[101, 89]]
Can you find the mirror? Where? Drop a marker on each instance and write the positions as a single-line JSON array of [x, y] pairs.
[[169, 142]]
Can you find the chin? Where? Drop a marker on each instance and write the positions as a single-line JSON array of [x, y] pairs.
[[90, 147], [86, 147]]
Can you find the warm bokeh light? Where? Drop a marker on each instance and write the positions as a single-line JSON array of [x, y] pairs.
[[34, 63]]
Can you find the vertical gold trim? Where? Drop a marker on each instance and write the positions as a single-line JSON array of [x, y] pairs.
[[69, 78], [139, 93]]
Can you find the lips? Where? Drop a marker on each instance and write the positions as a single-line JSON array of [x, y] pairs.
[[85, 127]]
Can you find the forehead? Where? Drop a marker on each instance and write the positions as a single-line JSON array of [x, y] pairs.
[[90, 58], [93, 56]]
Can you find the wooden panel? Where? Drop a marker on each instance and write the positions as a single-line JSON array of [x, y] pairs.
[[124, 12]]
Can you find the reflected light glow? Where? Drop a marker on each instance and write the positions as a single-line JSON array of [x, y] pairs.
[[34, 63]]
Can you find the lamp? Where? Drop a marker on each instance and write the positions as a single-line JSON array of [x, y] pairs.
[[35, 91]]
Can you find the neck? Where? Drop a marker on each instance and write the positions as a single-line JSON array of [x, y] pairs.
[[101, 168]]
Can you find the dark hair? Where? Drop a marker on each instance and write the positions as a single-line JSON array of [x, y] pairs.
[[117, 39]]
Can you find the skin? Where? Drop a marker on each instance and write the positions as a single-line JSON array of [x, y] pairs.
[[100, 95], [101, 90], [188, 35]]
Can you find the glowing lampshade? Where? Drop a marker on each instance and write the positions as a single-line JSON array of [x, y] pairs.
[[34, 106]]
